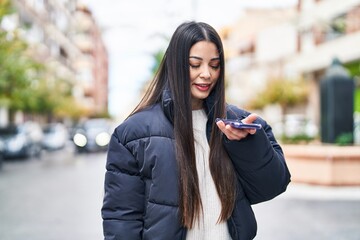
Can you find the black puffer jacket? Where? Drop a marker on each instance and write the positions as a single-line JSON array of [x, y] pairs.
[[141, 182]]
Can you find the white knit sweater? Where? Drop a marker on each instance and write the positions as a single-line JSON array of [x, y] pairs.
[[207, 227]]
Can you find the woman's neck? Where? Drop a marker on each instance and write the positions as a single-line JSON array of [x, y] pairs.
[[197, 105]]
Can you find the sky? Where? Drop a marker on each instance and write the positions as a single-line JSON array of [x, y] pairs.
[[134, 30]]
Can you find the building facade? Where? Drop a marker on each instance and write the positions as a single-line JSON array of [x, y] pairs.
[[64, 35], [299, 42]]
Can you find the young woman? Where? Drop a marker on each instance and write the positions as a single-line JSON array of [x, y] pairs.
[[173, 171]]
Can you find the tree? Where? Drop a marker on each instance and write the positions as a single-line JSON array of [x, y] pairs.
[[15, 67], [5, 8], [27, 85], [158, 56]]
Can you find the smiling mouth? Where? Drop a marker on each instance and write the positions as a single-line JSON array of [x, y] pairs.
[[202, 87]]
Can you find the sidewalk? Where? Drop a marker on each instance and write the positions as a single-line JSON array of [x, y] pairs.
[[318, 192], [310, 212]]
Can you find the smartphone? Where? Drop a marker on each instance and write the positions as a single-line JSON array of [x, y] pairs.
[[240, 125]]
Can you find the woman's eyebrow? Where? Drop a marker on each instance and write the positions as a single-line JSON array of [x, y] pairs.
[[215, 59], [199, 58]]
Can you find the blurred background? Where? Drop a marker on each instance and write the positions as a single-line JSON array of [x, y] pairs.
[[72, 70]]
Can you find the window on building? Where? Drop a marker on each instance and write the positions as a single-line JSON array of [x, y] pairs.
[[336, 28]]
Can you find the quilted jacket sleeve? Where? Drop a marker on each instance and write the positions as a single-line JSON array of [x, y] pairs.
[[123, 205], [260, 164]]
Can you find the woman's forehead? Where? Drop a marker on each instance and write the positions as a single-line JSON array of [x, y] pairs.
[[204, 48]]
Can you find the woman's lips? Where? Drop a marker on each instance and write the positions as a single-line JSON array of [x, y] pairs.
[[202, 87]]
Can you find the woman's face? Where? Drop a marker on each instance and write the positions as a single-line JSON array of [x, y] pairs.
[[204, 62]]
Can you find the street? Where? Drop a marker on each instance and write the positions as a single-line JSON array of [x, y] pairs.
[[60, 195], [57, 197]]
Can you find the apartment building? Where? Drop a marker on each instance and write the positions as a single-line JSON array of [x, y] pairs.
[[64, 35]]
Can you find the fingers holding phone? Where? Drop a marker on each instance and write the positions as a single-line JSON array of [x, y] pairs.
[[237, 130]]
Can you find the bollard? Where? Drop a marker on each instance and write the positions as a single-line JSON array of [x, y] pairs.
[[337, 104]]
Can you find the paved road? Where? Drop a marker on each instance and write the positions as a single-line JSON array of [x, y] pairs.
[[59, 198], [55, 198]]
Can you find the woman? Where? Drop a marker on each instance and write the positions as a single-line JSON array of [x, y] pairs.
[[173, 172]]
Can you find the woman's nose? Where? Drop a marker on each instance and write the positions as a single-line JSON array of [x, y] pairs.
[[205, 73]]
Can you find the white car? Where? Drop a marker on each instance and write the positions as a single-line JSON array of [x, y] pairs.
[[56, 136]]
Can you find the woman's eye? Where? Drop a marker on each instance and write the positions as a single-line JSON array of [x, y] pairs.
[[215, 67], [194, 66]]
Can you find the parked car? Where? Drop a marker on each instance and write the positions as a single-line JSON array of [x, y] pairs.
[[92, 135], [23, 140], [56, 136]]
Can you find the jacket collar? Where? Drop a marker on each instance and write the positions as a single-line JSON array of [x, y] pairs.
[[167, 105]]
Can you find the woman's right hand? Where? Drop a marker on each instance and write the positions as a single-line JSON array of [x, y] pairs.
[[235, 133]]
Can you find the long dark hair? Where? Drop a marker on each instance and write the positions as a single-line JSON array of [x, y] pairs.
[[173, 74]]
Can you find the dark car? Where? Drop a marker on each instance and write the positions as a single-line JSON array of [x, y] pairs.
[[23, 140], [92, 135]]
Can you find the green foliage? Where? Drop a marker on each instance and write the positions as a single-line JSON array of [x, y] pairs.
[[158, 56], [14, 81], [353, 68], [101, 115], [354, 71], [26, 84], [297, 139], [357, 100], [344, 139], [281, 91], [5, 8], [15, 67], [68, 107]]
